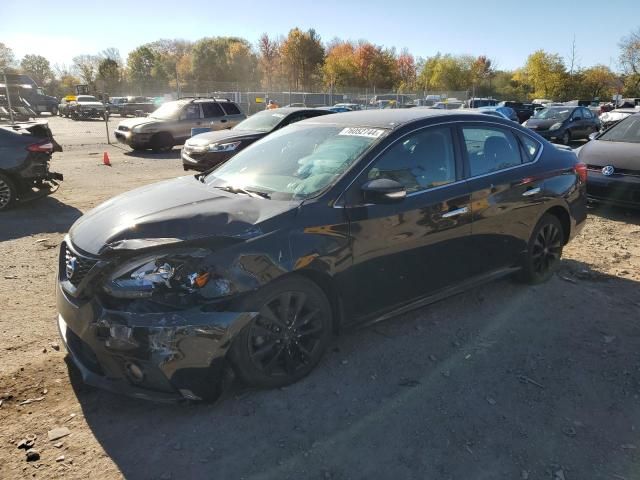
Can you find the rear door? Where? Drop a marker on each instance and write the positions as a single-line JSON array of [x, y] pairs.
[[214, 117], [233, 114], [505, 193], [405, 250]]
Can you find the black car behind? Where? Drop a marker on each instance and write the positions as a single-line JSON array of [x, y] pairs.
[[25, 154], [613, 160], [206, 150], [326, 223], [564, 123]]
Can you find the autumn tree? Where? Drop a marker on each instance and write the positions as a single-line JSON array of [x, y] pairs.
[[545, 73], [630, 62], [339, 69], [86, 66], [597, 82], [302, 55], [7, 59], [110, 75], [141, 67], [38, 68], [406, 67], [376, 67], [269, 59], [223, 59], [173, 58]]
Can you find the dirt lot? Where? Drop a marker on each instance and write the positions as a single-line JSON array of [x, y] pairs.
[[503, 382]]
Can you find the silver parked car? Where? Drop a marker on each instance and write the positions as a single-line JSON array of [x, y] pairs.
[[171, 124]]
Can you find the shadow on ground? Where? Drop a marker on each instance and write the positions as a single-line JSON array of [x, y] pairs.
[[173, 154], [500, 380], [43, 215], [618, 214]]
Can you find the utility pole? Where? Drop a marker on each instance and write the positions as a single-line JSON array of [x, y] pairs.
[[6, 87]]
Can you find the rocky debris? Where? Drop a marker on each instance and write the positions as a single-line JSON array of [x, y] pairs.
[[58, 444], [31, 400], [33, 455], [27, 442], [60, 458], [58, 433], [55, 346]]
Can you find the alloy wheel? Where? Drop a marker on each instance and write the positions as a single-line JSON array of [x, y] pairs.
[[284, 336], [5, 194], [547, 248]]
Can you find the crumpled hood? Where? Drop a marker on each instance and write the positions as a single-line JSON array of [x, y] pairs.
[[618, 154], [183, 208], [221, 136]]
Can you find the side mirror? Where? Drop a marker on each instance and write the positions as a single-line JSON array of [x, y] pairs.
[[383, 190], [594, 135]]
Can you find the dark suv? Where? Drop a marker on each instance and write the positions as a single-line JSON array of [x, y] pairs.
[[171, 124]]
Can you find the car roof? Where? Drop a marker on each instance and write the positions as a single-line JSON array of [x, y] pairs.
[[289, 110], [393, 118]]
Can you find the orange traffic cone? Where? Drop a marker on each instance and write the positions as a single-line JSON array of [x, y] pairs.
[[105, 159]]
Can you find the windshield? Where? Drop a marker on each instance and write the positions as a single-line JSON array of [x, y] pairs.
[[87, 98], [553, 113], [628, 130], [296, 162], [168, 111], [261, 121]]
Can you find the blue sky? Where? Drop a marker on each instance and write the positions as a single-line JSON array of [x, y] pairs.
[[506, 31]]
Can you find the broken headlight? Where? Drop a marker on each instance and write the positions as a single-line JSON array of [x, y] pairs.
[[166, 275]]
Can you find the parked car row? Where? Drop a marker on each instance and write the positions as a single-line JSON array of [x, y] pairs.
[[81, 107]]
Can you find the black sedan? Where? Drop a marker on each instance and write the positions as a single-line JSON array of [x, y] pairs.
[[564, 123], [613, 160], [330, 222], [25, 155], [206, 150]]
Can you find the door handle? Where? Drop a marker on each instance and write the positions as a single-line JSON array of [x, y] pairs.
[[455, 213], [533, 191], [223, 120]]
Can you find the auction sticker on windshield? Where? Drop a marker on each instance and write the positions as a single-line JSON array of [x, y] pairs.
[[362, 132]]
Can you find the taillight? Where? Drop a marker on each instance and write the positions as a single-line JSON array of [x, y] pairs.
[[43, 147], [581, 170]]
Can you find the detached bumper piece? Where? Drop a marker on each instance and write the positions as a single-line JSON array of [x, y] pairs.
[[165, 356]]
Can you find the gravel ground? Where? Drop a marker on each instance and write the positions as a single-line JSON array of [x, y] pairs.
[[502, 382]]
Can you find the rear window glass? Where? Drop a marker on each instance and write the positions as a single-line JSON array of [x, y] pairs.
[[529, 146], [230, 108], [211, 109]]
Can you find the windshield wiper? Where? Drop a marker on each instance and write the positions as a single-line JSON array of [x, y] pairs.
[[251, 193]]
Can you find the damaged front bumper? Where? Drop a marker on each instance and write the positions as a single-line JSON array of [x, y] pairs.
[[156, 356]]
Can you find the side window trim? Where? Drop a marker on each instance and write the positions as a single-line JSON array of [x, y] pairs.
[[515, 132], [455, 148]]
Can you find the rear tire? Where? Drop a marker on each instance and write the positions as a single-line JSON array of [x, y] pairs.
[[287, 339], [8, 193], [162, 142], [543, 251]]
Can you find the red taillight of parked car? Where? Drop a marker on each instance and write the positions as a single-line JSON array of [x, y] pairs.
[[581, 170], [42, 147]]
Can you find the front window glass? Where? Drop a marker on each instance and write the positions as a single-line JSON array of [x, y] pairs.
[[490, 149], [168, 111], [421, 161], [264, 121], [296, 162], [627, 130], [553, 113]]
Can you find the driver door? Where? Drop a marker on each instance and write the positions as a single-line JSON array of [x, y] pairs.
[[405, 250], [190, 117]]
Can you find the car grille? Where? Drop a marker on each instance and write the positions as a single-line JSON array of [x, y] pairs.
[[74, 267], [617, 171]]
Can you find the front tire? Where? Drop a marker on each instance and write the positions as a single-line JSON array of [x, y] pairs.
[[566, 137], [8, 193], [162, 142], [288, 337], [543, 251]]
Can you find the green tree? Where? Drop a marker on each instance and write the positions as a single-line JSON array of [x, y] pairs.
[[109, 73], [7, 59], [545, 73], [141, 67], [38, 68]]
